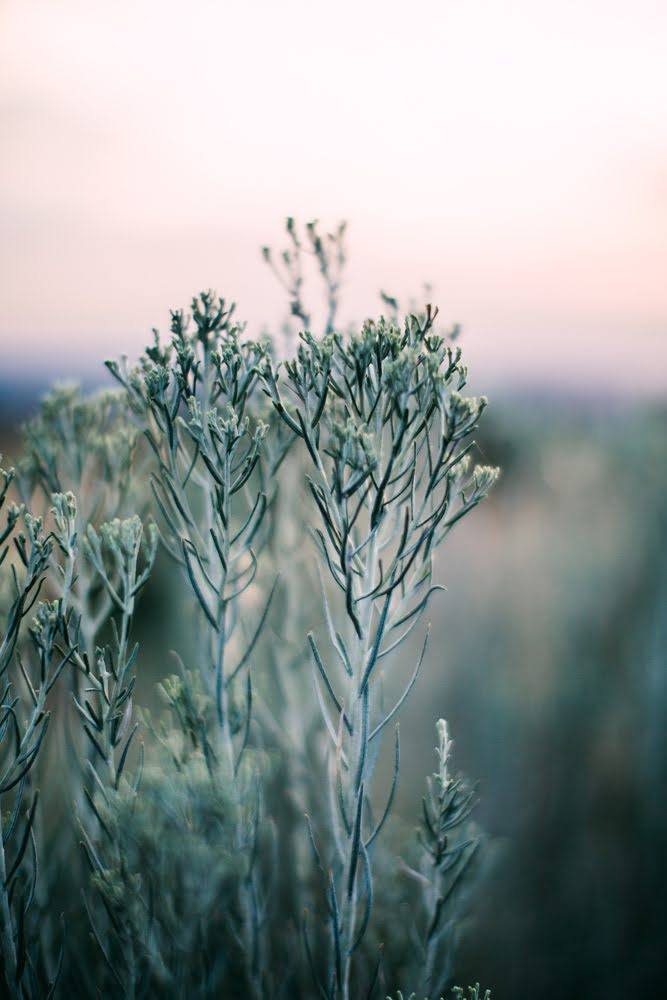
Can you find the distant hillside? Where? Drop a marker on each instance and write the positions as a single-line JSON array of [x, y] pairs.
[[20, 394]]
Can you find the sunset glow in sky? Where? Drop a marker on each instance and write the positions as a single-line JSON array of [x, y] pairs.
[[511, 152]]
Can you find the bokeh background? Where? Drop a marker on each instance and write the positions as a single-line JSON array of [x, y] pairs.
[[513, 155]]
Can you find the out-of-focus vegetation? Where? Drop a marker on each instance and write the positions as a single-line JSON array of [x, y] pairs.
[[557, 698]]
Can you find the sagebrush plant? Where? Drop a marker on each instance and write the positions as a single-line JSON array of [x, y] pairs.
[[237, 847], [472, 993], [32, 656]]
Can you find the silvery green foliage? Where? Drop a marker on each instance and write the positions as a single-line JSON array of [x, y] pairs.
[[448, 847], [123, 558], [122, 555], [80, 442], [32, 657], [472, 993], [85, 446], [194, 398], [160, 840], [200, 863], [382, 417], [81, 468], [330, 254]]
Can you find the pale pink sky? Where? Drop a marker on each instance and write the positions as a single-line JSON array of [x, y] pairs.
[[511, 152]]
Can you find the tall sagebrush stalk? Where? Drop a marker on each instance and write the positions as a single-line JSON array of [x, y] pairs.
[[28, 672], [383, 421], [194, 396]]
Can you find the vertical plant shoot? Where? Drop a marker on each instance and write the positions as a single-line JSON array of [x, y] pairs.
[[194, 397], [29, 668], [387, 430], [447, 846]]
